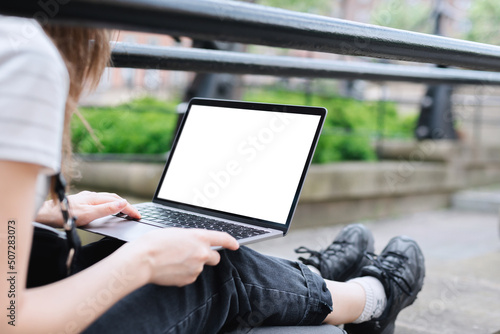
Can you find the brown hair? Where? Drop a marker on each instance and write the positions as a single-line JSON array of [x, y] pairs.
[[86, 52]]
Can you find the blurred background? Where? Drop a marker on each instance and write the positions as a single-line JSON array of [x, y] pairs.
[[387, 148]]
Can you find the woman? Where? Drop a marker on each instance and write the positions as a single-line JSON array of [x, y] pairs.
[[169, 281]]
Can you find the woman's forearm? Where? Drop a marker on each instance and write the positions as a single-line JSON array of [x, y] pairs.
[[72, 304]]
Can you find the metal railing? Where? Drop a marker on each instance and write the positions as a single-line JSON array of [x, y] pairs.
[[198, 60], [241, 22], [249, 23]]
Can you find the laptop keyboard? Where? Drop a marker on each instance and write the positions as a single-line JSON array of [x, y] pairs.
[[163, 217]]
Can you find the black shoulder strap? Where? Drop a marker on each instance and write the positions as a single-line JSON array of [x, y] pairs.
[[69, 223]]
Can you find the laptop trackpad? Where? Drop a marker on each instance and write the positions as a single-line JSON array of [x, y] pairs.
[[126, 230]]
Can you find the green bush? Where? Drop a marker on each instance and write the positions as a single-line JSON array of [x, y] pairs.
[[351, 126], [144, 125], [147, 125]]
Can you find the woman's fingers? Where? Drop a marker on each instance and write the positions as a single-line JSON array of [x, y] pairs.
[[177, 256], [85, 216], [222, 239], [88, 206], [131, 211], [127, 208], [213, 259]]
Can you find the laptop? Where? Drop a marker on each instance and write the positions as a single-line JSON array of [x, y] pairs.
[[234, 166]]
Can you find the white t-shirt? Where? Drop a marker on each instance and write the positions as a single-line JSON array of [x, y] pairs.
[[34, 85]]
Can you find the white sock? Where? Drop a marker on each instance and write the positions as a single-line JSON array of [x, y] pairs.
[[314, 269], [376, 299]]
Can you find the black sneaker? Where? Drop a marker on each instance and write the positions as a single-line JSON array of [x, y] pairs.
[[400, 268], [345, 257]]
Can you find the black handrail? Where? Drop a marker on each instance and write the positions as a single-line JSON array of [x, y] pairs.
[[254, 24], [198, 60]]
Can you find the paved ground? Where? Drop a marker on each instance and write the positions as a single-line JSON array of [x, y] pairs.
[[461, 292]]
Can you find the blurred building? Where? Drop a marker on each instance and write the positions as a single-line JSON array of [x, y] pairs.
[[119, 85], [122, 84]]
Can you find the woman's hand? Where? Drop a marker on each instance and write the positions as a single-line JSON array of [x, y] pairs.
[[86, 206], [174, 256]]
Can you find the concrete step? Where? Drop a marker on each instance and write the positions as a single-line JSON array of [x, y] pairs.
[[482, 200]]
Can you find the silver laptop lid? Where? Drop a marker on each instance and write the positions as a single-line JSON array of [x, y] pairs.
[[242, 161]]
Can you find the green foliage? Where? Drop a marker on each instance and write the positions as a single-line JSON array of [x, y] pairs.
[[321, 7], [484, 16], [406, 15], [350, 127], [143, 125], [147, 125]]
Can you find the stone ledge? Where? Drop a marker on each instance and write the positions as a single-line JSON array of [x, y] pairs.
[[339, 181], [313, 214], [133, 178], [337, 192], [356, 180]]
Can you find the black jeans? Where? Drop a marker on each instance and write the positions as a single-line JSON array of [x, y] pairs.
[[246, 289]]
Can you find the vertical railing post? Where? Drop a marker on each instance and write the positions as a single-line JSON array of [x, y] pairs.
[[308, 92], [478, 119], [381, 110]]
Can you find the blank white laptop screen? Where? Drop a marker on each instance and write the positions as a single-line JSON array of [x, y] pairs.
[[245, 162]]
